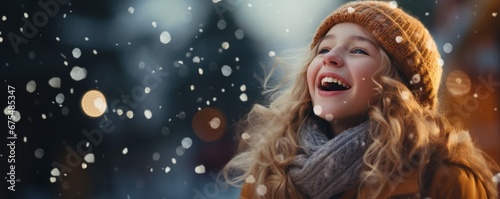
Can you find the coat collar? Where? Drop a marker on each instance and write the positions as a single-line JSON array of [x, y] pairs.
[[408, 188]]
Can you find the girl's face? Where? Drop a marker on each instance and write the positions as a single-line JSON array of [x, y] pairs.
[[340, 76]]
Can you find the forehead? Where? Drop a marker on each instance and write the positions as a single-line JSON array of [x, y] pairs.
[[348, 29]]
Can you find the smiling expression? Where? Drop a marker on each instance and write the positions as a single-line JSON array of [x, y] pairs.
[[340, 76]]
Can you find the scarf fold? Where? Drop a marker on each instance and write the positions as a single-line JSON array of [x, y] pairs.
[[325, 167]]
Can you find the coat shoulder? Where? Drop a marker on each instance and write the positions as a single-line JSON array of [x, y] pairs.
[[454, 181], [246, 191]]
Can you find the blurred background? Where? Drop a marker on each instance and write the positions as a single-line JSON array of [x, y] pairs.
[[139, 99]]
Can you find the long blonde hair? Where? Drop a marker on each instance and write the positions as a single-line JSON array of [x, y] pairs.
[[405, 137]]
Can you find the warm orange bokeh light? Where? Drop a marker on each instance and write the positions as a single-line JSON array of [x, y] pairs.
[[94, 103], [209, 124], [458, 83]]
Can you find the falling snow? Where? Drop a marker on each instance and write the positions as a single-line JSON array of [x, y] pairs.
[[196, 59], [250, 179], [39, 153], [125, 151], [55, 172], [226, 70], [225, 45], [76, 53], [245, 136], [31, 86], [271, 54], [130, 114], [78, 73], [156, 156], [180, 151], [399, 39], [393, 4], [221, 24], [329, 117], [89, 158], [239, 34], [60, 98], [350, 9], [415, 79], [119, 112], [243, 97], [165, 37], [199, 169], [440, 62], [496, 178], [148, 114], [215, 122], [55, 82], [186, 143], [447, 48], [405, 95], [182, 115], [261, 190], [317, 109]]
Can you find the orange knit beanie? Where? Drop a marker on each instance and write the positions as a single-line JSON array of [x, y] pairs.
[[404, 38]]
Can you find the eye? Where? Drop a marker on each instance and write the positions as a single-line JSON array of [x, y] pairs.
[[359, 51], [323, 51]]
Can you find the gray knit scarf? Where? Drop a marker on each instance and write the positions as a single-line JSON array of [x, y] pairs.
[[325, 168]]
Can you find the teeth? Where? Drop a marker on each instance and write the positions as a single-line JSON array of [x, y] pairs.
[[334, 80]]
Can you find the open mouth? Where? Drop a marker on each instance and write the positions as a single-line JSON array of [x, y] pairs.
[[333, 84]]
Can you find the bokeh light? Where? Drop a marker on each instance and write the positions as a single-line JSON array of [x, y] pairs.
[[209, 124], [458, 83], [93, 103]]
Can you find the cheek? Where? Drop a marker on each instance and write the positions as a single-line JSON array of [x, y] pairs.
[[311, 75], [365, 77], [366, 72]]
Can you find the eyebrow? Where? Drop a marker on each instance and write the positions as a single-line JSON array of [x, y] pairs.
[[355, 37]]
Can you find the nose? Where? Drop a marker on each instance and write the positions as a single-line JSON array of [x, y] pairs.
[[333, 58]]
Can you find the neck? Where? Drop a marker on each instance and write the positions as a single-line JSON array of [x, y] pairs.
[[340, 125]]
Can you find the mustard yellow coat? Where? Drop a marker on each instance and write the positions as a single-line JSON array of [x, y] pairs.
[[447, 182]]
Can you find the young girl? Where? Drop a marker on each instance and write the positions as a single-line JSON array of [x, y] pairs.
[[361, 120]]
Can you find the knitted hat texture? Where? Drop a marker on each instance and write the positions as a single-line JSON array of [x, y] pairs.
[[404, 38]]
